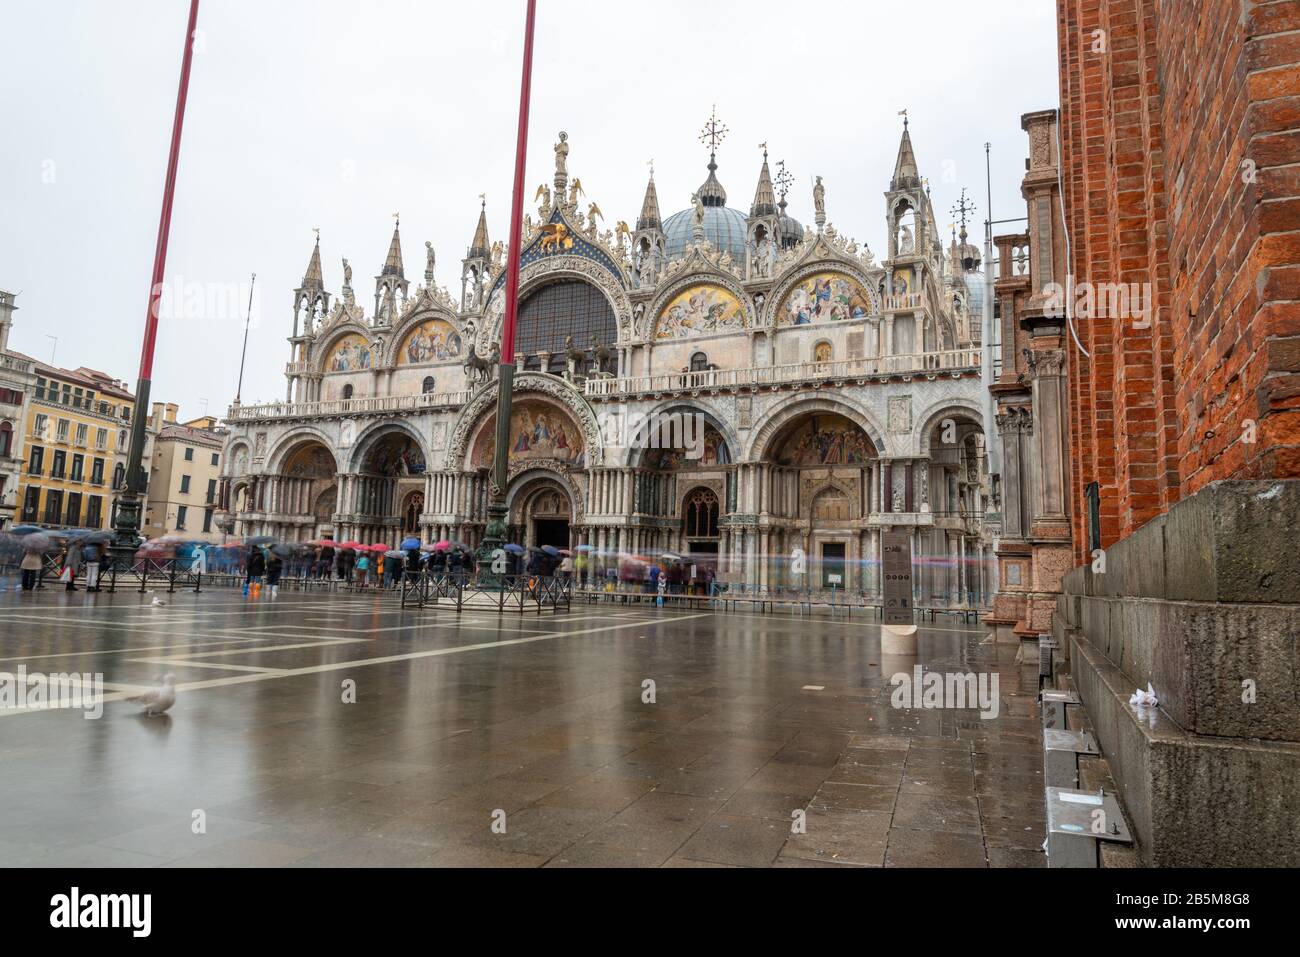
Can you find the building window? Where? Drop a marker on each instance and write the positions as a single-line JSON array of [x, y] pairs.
[[11, 397], [216, 459], [119, 474], [562, 309], [699, 362], [101, 438], [702, 514], [121, 440], [181, 512], [53, 507], [39, 427], [40, 387], [6, 439], [207, 520], [59, 467], [81, 434], [347, 392], [126, 413], [185, 485], [31, 503], [94, 511], [189, 455], [73, 515], [37, 461], [78, 468], [97, 472], [212, 491], [429, 384], [62, 435]]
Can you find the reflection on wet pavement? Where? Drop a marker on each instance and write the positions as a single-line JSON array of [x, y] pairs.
[[341, 731]]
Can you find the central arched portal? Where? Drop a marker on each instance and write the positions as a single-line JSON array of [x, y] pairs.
[[541, 512]]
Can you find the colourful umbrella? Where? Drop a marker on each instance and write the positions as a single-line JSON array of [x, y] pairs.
[[410, 543], [441, 546]]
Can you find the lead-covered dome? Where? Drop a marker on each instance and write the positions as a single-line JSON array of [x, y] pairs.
[[724, 228]]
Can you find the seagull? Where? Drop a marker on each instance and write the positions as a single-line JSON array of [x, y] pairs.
[[157, 602], [159, 699]]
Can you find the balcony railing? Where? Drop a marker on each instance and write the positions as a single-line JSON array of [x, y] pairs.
[[372, 405], [911, 300], [14, 364], [953, 361]]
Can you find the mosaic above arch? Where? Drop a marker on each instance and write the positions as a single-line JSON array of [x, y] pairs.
[[396, 454], [310, 460], [826, 439], [539, 431], [349, 354], [714, 449], [824, 297], [434, 340], [699, 310]]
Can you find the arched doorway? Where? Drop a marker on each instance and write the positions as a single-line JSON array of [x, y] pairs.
[[542, 513], [822, 466], [302, 492]]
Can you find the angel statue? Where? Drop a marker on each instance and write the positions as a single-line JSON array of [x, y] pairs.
[[576, 190], [544, 194]]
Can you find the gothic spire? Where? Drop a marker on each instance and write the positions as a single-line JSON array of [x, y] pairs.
[[765, 195], [312, 278], [393, 264], [481, 248], [906, 173], [649, 218]]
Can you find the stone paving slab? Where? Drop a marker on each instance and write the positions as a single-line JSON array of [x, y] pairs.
[[515, 741]]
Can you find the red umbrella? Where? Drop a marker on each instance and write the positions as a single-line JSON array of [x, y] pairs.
[[352, 546], [380, 547]]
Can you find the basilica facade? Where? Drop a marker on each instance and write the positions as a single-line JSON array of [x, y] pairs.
[[811, 397]]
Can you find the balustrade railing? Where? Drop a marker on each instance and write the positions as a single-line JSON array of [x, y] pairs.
[[370, 405], [953, 360]]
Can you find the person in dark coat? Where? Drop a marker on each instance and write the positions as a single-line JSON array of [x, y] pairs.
[[274, 566], [256, 568]]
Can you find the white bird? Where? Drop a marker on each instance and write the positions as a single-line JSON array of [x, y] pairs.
[[157, 602], [158, 700]]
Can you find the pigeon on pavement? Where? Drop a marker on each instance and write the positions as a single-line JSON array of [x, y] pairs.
[[157, 700]]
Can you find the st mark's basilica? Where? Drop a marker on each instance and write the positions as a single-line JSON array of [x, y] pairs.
[[838, 396]]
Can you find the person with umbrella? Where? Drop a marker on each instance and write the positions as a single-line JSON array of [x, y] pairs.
[[94, 554], [275, 567], [72, 563], [30, 566], [255, 570]]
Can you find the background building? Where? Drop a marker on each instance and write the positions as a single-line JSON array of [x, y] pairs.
[[77, 435], [183, 476], [17, 380], [1180, 152], [839, 396]]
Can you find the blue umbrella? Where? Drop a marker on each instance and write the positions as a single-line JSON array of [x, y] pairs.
[[26, 529], [551, 550], [409, 543], [514, 549]]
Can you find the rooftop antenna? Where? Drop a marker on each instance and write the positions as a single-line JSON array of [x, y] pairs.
[[247, 319], [55, 349]]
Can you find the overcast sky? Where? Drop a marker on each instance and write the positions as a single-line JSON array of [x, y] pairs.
[[307, 113]]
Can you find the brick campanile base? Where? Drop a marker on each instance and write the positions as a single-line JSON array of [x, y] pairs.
[[1203, 603]]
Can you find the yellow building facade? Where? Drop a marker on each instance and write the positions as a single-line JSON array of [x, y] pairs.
[[76, 437], [184, 474]]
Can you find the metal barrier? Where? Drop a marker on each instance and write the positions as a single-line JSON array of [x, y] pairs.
[[511, 593]]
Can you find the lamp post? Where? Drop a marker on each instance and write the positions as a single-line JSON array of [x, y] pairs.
[[127, 526], [489, 554]]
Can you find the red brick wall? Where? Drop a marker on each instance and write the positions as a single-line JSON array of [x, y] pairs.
[[1158, 127]]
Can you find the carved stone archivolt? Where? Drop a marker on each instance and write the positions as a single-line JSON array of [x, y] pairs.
[[484, 403]]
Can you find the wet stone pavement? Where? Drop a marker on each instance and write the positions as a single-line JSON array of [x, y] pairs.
[[505, 742]]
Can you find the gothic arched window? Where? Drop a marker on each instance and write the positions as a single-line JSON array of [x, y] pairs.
[[699, 362], [702, 514], [429, 384], [347, 392], [562, 309]]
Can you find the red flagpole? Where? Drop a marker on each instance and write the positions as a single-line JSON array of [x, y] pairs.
[[128, 517], [517, 203]]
